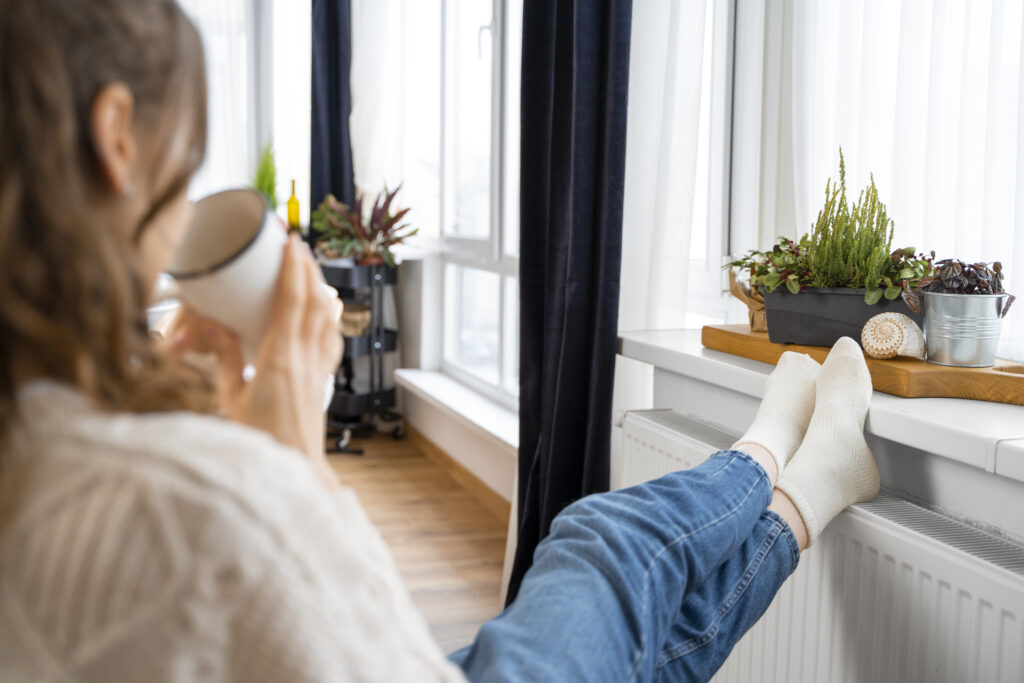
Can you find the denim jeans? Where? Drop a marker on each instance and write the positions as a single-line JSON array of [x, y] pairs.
[[654, 582]]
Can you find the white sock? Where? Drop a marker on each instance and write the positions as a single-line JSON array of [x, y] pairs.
[[786, 408], [833, 468]]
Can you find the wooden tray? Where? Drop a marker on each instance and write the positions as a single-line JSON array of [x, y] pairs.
[[907, 377]]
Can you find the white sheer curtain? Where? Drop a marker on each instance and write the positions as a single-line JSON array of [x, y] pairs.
[[928, 97], [666, 60], [226, 30], [664, 180], [258, 72], [289, 100], [396, 104]]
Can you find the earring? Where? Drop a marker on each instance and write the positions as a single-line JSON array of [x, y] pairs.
[[128, 190]]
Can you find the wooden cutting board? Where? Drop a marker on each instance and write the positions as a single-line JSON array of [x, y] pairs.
[[907, 377]]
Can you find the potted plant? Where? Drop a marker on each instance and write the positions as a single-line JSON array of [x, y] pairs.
[[266, 175], [964, 305], [344, 231], [834, 279]]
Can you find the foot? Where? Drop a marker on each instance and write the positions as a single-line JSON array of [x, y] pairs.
[[786, 408], [833, 468]]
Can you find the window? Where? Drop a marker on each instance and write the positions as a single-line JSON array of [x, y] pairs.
[[934, 111], [258, 90], [676, 194], [227, 28], [925, 96], [479, 226], [709, 215]]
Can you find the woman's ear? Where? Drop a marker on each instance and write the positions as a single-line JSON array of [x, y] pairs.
[[111, 120]]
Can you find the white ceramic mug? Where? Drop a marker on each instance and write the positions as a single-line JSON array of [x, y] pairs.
[[228, 264]]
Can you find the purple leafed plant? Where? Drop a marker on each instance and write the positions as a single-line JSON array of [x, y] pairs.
[[345, 231], [953, 276]]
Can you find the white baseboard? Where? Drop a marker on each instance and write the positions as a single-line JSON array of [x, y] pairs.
[[476, 433]]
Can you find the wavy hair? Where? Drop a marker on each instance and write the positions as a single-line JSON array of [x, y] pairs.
[[72, 299]]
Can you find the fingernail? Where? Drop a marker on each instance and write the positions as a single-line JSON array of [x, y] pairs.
[[182, 340]]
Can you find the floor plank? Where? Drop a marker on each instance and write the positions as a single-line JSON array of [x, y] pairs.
[[448, 546]]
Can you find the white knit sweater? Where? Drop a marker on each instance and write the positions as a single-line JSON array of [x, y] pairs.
[[176, 547]]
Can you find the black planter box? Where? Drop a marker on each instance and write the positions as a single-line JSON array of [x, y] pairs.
[[348, 278], [363, 346], [819, 317]]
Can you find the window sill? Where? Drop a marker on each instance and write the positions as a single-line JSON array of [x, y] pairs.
[[988, 436], [489, 419]]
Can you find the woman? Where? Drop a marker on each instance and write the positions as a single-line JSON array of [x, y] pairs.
[[143, 538]]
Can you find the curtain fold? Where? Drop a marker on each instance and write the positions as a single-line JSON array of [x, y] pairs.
[[668, 50], [331, 153], [575, 79]]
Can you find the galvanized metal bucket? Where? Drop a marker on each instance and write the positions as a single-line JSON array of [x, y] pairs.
[[963, 329]]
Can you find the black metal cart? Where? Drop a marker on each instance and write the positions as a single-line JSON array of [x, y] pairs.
[[356, 411]]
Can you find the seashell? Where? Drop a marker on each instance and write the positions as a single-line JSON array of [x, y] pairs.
[[888, 335]]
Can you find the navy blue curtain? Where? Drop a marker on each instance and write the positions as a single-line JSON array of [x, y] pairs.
[[575, 77], [331, 154]]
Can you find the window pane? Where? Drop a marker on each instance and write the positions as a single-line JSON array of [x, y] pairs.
[[473, 306], [469, 47], [701, 229], [513, 69], [225, 32], [511, 332]]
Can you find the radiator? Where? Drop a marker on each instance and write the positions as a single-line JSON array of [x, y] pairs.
[[890, 592]]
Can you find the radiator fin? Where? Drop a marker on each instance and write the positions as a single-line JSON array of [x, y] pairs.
[[872, 605], [890, 592], [997, 551]]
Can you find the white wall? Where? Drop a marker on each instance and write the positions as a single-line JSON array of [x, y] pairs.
[[487, 458]]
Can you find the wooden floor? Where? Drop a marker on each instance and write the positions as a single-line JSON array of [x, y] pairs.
[[448, 546]]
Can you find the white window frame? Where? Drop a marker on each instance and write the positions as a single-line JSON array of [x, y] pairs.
[[486, 254], [708, 284]]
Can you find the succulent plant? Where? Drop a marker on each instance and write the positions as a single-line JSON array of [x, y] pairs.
[[953, 276], [345, 231]]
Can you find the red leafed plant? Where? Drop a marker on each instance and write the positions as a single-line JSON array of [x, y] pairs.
[[345, 231]]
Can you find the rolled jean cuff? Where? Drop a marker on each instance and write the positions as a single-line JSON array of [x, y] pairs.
[[786, 533], [734, 454]]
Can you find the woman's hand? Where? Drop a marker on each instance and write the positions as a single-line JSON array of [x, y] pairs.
[[301, 349]]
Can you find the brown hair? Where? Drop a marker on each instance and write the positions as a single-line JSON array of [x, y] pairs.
[[71, 296]]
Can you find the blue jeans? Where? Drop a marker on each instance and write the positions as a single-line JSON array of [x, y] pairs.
[[654, 582]]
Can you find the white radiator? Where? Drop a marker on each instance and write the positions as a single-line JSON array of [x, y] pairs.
[[890, 592]]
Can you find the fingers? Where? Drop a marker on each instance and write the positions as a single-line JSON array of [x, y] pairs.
[[306, 310], [291, 292], [334, 343], [321, 323], [181, 331], [230, 359], [331, 344], [318, 300]]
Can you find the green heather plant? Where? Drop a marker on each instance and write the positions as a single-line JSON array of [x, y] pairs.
[[847, 247], [344, 231], [266, 175]]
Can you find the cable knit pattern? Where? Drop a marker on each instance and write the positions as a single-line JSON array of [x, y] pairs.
[[177, 547]]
